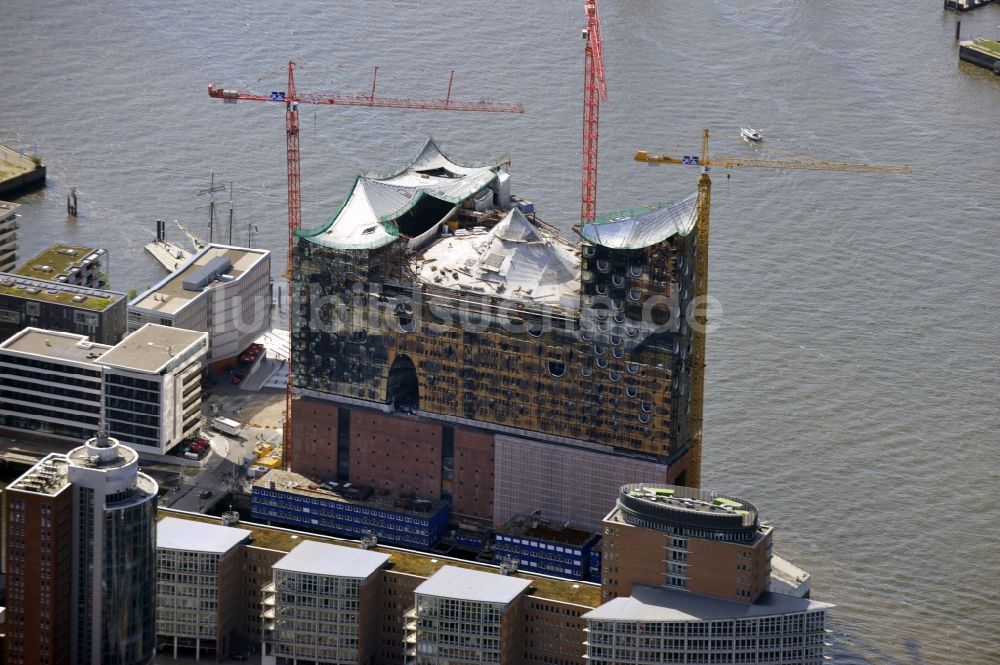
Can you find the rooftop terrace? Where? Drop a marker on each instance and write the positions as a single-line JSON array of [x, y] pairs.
[[676, 506], [410, 562], [42, 290]]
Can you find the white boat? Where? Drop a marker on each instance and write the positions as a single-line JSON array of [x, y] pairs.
[[750, 134]]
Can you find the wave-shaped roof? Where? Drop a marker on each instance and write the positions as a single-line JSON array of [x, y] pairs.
[[635, 231], [367, 219]]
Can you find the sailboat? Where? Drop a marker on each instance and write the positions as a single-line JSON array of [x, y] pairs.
[[748, 133], [751, 135]]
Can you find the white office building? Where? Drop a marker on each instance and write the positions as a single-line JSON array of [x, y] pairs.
[[148, 386], [50, 383], [223, 291], [152, 387]]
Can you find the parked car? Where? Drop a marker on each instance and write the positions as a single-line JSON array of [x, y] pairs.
[[205, 494]]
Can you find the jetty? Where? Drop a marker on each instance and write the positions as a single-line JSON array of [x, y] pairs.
[[169, 255], [982, 52], [965, 5], [19, 173]]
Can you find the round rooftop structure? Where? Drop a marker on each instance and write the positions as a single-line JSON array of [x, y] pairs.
[[685, 510]]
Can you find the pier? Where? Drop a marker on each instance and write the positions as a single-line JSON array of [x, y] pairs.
[[19, 173], [169, 255], [982, 52], [965, 5]]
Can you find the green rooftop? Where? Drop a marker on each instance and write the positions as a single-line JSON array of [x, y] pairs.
[[12, 284], [412, 563], [55, 261]]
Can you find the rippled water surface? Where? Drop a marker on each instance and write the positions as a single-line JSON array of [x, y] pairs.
[[853, 380]]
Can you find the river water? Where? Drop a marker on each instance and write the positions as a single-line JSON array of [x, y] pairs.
[[853, 379]]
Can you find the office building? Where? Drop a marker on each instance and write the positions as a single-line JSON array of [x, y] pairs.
[[80, 534], [221, 290], [69, 264], [148, 385], [323, 606], [8, 235], [50, 383], [442, 326], [30, 302], [152, 387], [198, 584]]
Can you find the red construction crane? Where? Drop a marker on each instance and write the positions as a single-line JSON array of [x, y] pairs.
[[291, 99], [594, 91]]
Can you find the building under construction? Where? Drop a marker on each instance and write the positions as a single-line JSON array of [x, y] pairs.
[[449, 343]]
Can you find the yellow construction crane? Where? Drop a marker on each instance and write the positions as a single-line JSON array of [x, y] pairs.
[[700, 287], [740, 162]]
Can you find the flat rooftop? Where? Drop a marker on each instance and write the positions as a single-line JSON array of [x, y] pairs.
[[48, 477], [170, 296], [665, 605], [408, 562], [42, 290], [60, 259], [150, 348], [332, 560], [56, 345], [190, 536], [473, 585], [288, 481]]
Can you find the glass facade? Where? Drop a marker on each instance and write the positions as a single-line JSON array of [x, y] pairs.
[[129, 621]]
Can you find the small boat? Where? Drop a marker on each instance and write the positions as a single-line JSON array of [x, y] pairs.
[[750, 135]]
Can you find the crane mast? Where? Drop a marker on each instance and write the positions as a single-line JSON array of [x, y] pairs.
[[595, 90], [700, 287], [291, 99]]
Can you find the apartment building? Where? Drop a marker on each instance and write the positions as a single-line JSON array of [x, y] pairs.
[[198, 580], [221, 290], [322, 606], [466, 616], [31, 302], [8, 235], [69, 264]]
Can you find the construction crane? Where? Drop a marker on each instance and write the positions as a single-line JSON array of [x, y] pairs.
[[700, 288], [595, 90], [291, 99]]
